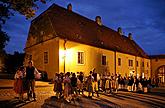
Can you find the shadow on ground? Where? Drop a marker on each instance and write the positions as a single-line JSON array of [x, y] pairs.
[[81, 102], [13, 103]]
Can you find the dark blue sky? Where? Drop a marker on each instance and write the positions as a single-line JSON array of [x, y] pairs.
[[145, 19]]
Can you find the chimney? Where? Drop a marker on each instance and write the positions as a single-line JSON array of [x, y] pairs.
[[119, 30], [69, 7], [130, 36], [98, 20]]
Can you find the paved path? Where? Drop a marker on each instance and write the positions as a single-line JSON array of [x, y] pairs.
[[45, 99], [118, 100]]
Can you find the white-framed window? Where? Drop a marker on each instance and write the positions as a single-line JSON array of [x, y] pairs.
[[147, 64], [80, 57], [130, 62], [45, 57], [103, 60]]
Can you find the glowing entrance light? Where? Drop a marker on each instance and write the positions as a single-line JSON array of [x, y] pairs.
[[66, 57]]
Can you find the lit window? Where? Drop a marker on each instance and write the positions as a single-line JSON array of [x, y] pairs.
[[130, 62], [80, 58], [45, 57], [119, 61], [103, 60]]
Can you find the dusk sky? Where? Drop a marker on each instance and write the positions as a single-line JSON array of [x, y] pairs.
[[145, 19]]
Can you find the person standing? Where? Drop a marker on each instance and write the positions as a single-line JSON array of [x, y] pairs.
[[95, 83], [81, 79], [31, 72], [18, 84], [67, 87], [58, 85]]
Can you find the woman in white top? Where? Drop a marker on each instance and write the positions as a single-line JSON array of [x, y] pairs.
[[18, 84]]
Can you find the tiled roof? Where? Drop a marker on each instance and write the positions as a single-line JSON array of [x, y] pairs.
[[74, 27]]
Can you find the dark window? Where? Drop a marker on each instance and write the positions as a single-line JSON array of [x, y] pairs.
[[142, 64], [137, 63], [30, 57], [130, 62], [45, 57], [119, 61], [103, 60], [80, 58]]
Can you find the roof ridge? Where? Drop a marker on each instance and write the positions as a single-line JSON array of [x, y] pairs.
[[68, 25]]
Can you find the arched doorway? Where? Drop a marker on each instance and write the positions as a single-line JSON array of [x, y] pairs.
[[160, 75]]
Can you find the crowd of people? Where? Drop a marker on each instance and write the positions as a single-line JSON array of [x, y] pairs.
[[71, 85]]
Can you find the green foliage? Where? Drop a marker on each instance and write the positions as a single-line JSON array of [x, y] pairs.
[[24, 7], [13, 61], [7, 9]]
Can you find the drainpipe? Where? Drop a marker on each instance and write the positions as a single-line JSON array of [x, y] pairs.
[[115, 61], [64, 53], [136, 65]]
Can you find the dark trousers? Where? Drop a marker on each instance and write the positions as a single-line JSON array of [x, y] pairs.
[[31, 85]]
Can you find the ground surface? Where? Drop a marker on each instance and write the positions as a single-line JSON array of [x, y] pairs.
[[46, 99]]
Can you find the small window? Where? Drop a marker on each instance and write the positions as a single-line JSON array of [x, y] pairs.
[[137, 63], [156, 59], [103, 60], [30, 57], [130, 62], [80, 58], [147, 64], [119, 61], [142, 64], [45, 57]]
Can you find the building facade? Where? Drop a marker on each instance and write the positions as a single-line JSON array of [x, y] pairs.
[[158, 69], [61, 40]]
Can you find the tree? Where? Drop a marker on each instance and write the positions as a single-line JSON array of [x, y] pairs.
[[7, 9], [13, 61]]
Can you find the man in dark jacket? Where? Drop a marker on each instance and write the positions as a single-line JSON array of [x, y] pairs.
[[31, 71]]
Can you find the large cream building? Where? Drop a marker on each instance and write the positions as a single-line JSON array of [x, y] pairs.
[[61, 40]]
